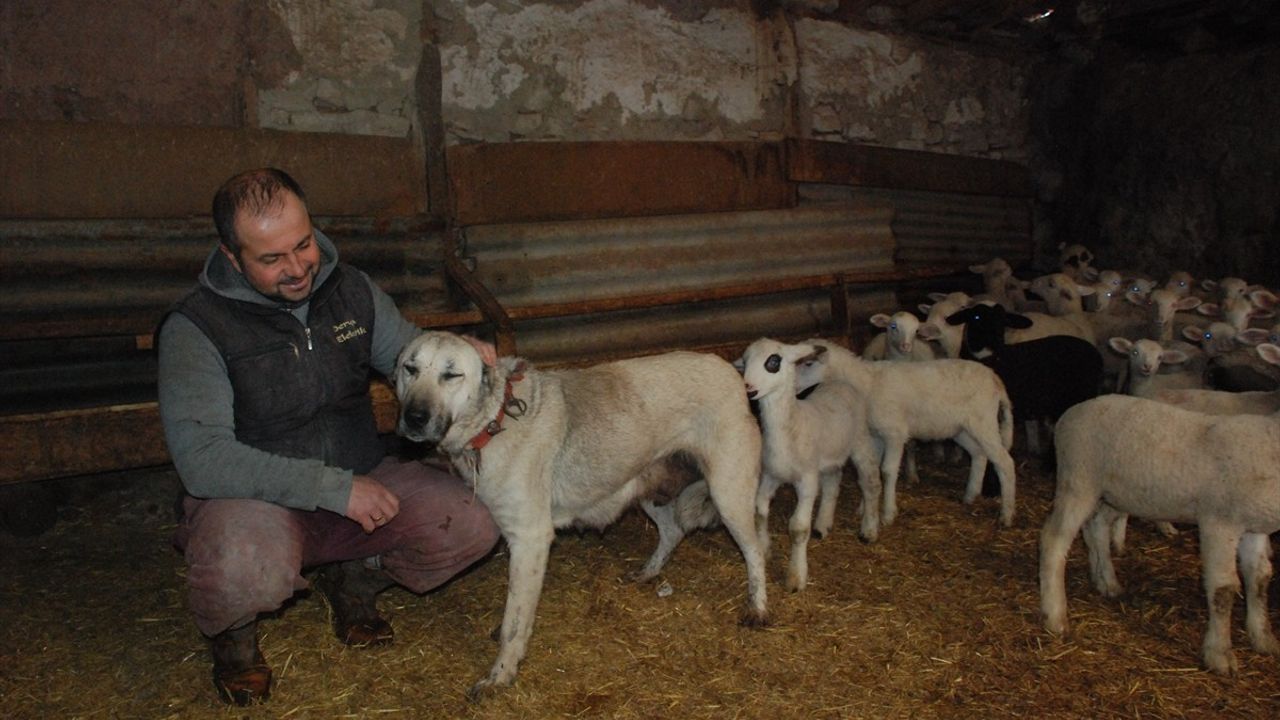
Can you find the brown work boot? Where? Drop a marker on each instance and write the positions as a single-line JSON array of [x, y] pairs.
[[352, 589], [240, 673]]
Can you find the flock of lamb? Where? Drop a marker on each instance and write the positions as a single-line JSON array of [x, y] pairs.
[[1161, 400]]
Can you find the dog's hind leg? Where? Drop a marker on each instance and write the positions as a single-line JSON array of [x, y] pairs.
[[732, 477]]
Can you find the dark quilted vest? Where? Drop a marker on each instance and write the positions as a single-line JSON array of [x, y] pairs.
[[301, 392]]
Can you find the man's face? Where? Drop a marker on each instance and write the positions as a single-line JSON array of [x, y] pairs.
[[278, 251]]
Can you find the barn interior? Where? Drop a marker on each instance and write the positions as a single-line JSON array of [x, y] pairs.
[[584, 180]]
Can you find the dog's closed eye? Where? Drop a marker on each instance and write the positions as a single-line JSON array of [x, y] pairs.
[[447, 375], [410, 370]]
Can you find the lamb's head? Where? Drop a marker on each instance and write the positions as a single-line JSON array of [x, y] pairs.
[[1138, 289], [900, 331], [1146, 356], [1075, 260], [1218, 339], [439, 376], [1164, 303], [1061, 293], [984, 327], [1180, 283], [768, 367], [995, 275]]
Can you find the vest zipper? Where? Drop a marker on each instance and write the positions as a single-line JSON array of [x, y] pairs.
[[309, 347]]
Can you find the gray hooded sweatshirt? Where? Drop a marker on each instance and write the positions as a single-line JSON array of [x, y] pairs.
[[196, 401]]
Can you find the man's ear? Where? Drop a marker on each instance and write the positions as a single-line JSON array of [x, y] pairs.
[[235, 262], [488, 354]]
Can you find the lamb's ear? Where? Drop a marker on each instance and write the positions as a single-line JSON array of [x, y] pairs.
[[488, 355], [959, 317], [1209, 309], [740, 365], [1253, 336], [1173, 357], [979, 269], [816, 356], [1190, 302], [929, 331], [937, 296], [881, 320], [1193, 334], [1016, 321], [1209, 285], [1269, 352], [1121, 345]]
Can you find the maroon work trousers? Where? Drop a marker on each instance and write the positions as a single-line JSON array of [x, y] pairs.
[[246, 557]]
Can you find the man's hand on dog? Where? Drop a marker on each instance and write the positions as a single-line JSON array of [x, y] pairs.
[[371, 504]]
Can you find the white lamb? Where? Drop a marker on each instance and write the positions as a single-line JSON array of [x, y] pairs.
[[806, 443], [1221, 402], [1142, 376], [898, 343], [944, 399], [1159, 462], [935, 328]]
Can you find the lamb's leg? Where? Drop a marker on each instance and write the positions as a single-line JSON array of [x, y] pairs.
[[864, 459], [890, 463], [1070, 510], [1032, 428], [1221, 584], [764, 496], [909, 463], [669, 536], [1119, 529], [830, 491], [801, 527], [1255, 566], [1097, 538], [977, 466]]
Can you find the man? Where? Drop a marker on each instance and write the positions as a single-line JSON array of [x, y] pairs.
[[264, 372]]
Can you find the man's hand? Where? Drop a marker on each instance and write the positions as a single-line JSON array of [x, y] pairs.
[[371, 504]]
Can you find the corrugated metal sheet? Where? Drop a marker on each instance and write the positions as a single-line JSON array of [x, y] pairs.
[[533, 263], [935, 228], [539, 263], [75, 293]]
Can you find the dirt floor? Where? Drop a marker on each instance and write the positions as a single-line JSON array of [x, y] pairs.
[[939, 619]]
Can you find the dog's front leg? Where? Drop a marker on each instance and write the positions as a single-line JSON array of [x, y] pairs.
[[530, 548]]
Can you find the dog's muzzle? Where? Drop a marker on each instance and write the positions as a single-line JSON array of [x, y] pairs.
[[419, 424]]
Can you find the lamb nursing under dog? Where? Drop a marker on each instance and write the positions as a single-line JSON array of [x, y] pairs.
[[550, 449]]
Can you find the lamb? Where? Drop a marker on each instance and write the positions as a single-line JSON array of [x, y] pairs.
[[935, 327], [1239, 369], [933, 400], [1075, 260], [806, 443], [1164, 306], [1043, 377], [898, 341], [999, 285], [1219, 402], [1142, 377], [1154, 461]]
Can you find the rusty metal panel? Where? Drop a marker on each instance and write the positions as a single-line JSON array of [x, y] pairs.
[[941, 228], [532, 181], [537, 263], [594, 338], [58, 278], [100, 170], [816, 161]]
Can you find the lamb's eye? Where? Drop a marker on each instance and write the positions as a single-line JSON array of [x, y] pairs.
[[773, 363], [893, 326], [1134, 352], [1208, 336]]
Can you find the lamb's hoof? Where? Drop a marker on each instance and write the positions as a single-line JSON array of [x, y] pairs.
[[640, 576], [868, 538], [1006, 521], [484, 689], [820, 534], [496, 633], [794, 584], [753, 618], [1223, 664], [1056, 627]]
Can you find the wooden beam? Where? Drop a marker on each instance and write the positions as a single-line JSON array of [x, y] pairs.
[[816, 161], [534, 181]]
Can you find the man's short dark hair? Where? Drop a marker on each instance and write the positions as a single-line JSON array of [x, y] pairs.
[[255, 192]]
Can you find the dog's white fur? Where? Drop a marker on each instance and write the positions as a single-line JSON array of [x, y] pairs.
[[588, 444]]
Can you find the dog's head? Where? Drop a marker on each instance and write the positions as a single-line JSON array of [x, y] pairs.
[[439, 377]]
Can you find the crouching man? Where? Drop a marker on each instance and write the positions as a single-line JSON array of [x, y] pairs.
[[263, 380]]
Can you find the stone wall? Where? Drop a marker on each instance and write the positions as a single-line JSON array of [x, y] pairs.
[[1167, 164], [509, 71]]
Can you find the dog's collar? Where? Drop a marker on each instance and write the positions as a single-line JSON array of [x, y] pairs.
[[495, 426]]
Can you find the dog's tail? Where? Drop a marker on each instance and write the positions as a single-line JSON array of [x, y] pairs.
[[694, 508]]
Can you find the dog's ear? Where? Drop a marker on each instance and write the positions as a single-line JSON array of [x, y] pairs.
[[488, 354]]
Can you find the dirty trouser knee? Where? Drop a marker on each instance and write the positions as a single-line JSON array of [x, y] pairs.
[[246, 557]]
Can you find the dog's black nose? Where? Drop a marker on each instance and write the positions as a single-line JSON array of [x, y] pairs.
[[416, 418]]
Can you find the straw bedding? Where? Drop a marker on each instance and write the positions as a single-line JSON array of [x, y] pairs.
[[939, 619]]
